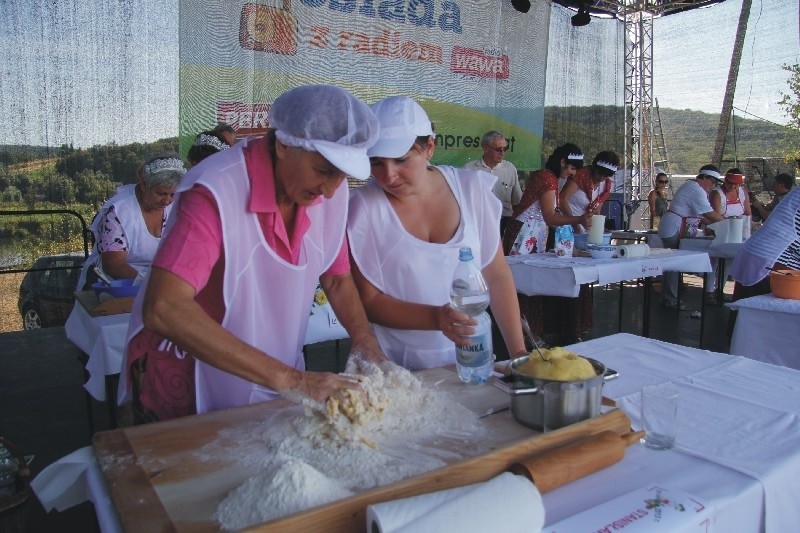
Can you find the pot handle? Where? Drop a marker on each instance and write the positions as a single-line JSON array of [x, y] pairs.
[[610, 374], [508, 388]]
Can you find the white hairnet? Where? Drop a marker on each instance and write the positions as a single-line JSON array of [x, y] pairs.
[[328, 120]]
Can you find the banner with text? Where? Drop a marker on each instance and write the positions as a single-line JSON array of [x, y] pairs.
[[473, 65]]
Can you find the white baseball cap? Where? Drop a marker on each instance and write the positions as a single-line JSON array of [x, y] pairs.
[[402, 120], [329, 120]]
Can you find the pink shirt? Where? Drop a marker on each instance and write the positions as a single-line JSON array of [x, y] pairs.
[[193, 251]]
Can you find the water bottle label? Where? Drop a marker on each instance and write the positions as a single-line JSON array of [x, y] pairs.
[[461, 285], [478, 352]]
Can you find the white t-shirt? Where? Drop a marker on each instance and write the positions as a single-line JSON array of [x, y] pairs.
[[690, 200]]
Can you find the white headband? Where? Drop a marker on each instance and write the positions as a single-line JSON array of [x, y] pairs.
[[575, 156], [605, 164], [710, 173], [160, 165], [210, 140]]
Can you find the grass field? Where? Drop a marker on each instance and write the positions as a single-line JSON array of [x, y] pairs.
[[10, 319]]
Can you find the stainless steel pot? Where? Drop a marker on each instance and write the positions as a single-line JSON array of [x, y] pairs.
[[544, 404]]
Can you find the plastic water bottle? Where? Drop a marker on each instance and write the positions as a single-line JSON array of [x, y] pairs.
[[470, 295]]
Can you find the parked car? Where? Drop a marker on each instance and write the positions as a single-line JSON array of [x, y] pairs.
[[46, 296]]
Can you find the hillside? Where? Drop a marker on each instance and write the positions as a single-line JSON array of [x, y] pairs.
[[689, 135]]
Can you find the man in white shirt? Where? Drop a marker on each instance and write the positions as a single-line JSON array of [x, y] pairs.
[[507, 188]]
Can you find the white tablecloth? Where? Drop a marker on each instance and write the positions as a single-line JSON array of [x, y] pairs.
[[737, 444], [733, 412], [767, 329], [548, 275], [725, 250], [102, 338]]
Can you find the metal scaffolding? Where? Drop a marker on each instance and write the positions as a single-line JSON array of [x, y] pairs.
[[638, 16]]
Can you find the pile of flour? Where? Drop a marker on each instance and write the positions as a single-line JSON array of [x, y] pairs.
[[306, 459]]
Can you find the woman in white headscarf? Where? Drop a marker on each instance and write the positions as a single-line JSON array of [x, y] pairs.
[[223, 317], [128, 227]]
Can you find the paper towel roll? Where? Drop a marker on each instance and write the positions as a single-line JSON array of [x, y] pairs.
[[633, 250], [735, 230], [507, 499], [598, 229]]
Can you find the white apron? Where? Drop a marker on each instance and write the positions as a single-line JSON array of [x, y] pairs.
[[142, 245], [409, 269], [532, 236], [267, 300], [578, 202]]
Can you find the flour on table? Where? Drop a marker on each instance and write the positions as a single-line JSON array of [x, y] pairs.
[[282, 489], [307, 458]]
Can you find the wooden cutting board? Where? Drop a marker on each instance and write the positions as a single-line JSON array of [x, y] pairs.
[[162, 476]]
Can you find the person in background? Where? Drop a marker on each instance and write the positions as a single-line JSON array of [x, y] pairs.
[[776, 245], [127, 229], [527, 233], [222, 319], [405, 229], [688, 212], [205, 144], [226, 132], [781, 186], [589, 188], [730, 199], [658, 199], [507, 188]]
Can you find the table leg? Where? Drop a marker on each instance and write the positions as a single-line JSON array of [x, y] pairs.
[[111, 400], [648, 283], [720, 281], [703, 310], [619, 307]]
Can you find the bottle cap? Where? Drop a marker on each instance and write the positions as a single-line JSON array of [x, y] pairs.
[[465, 254]]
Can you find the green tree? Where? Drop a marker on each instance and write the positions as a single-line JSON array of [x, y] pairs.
[[791, 104]]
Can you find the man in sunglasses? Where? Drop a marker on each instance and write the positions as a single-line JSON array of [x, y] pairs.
[[507, 187]]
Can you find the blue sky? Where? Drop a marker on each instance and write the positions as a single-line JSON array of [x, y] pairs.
[[94, 72]]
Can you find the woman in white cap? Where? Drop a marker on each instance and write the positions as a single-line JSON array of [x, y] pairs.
[[689, 211], [587, 190], [128, 227], [405, 229], [223, 318]]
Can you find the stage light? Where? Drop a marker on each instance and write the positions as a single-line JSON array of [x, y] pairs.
[[521, 5], [582, 18]]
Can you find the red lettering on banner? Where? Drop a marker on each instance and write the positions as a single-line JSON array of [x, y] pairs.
[[245, 117], [388, 44], [477, 63], [319, 36], [268, 29]]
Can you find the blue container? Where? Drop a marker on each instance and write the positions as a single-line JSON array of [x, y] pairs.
[[119, 288], [582, 239]]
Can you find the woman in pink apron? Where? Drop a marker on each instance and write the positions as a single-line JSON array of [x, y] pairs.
[[222, 319]]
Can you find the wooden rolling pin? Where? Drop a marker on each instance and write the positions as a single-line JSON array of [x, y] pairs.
[[554, 468]]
